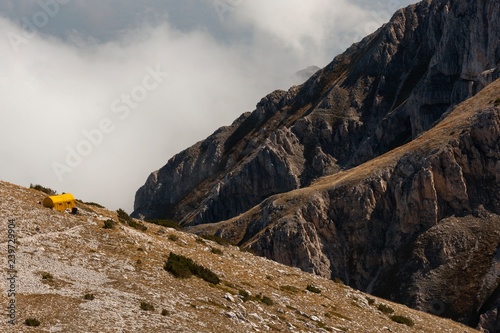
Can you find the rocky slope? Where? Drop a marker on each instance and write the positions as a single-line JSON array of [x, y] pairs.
[[419, 224], [73, 275], [378, 95], [381, 170]]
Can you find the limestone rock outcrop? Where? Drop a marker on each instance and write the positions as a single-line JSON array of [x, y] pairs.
[[381, 93], [419, 225], [381, 170]]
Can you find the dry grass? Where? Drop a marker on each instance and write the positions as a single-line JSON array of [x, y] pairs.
[[83, 258]]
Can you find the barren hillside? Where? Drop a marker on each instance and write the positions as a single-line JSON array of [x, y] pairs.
[[74, 275]]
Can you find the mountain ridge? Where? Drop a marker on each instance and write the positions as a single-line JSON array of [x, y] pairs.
[[342, 128], [421, 94]]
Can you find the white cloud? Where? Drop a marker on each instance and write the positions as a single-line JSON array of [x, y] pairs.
[[54, 90], [51, 98], [304, 27]]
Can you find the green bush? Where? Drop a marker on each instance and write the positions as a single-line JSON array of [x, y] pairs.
[[89, 297], [266, 300], [125, 218], [173, 237], [385, 309], [183, 267], [166, 223], [138, 226], [205, 274], [217, 251], [109, 224], [33, 322], [122, 215], [403, 320], [217, 239], [147, 307], [90, 203], [43, 189], [313, 289], [179, 266], [245, 295]]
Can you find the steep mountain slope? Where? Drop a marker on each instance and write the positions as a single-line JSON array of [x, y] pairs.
[[381, 170], [73, 275], [419, 224], [378, 95]]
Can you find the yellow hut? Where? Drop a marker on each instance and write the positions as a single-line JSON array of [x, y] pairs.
[[60, 202]]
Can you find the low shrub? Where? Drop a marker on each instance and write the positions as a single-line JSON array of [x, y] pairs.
[[313, 289], [33, 322], [109, 224], [183, 267], [266, 300], [47, 276], [385, 309], [403, 320], [125, 218], [245, 295], [179, 266], [138, 226], [206, 274], [165, 312], [43, 189], [217, 251], [173, 237], [370, 300], [166, 223], [90, 203], [497, 102], [147, 306], [89, 297], [217, 239]]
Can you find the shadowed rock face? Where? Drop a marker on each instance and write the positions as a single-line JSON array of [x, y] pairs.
[[353, 174], [419, 225], [378, 95]]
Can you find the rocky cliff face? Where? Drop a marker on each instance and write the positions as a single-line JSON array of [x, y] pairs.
[[368, 172], [378, 95], [420, 224]]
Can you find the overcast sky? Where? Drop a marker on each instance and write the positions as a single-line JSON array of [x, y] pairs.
[[97, 94]]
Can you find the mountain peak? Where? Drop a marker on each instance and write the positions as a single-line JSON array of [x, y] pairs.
[[348, 174]]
